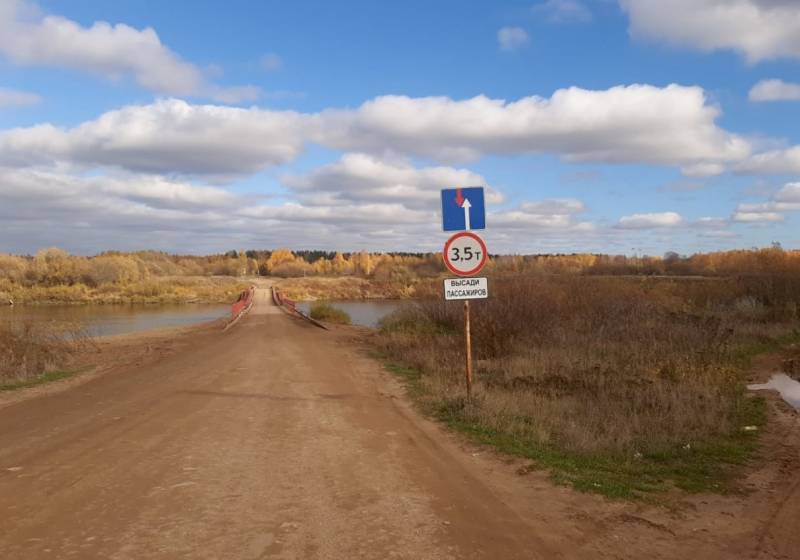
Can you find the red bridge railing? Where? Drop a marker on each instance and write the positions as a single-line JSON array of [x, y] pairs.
[[282, 301], [243, 303]]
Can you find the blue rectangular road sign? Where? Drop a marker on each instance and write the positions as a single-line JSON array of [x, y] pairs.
[[463, 209]]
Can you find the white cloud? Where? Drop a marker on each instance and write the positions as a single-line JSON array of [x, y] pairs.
[[112, 51], [757, 217], [775, 90], [564, 11], [16, 98], [787, 199], [673, 125], [553, 214], [512, 38], [758, 29], [790, 193], [169, 136], [650, 221], [625, 124], [46, 206], [364, 178], [779, 162], [271, 62], [704, 169]]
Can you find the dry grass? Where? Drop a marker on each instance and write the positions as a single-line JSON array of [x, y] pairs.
[[29, 350], [167, 289], [324, 311], [343, 287], [615, 368]]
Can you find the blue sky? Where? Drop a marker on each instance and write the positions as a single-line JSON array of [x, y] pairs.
[[623, 126]]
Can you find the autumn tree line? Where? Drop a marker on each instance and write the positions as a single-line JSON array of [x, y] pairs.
[[56, 267]]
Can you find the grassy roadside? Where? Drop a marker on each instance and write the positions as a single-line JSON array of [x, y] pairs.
[[612, 387], [47, 377], [710, 467]]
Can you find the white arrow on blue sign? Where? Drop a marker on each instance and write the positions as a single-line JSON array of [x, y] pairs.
[[463, 209]]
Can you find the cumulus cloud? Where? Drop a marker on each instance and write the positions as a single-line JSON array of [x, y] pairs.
[[756, 217], [43, 207], [787, 199], [366, 178], [625, 124], [775, 90], [45, 186], [703, 169], [564, 11], [650, 221], [169, 136], [758, 29], [46, 206], [552, 214], [512, 38], [113, 51], [16, 98], [673, 125], [789, 194], [778, 162]]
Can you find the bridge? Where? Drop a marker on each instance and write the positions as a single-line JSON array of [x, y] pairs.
[[271, 439]]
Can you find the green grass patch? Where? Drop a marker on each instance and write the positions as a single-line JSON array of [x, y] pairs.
[[771, 344], [707, 467], [324, 311], [47, 377]]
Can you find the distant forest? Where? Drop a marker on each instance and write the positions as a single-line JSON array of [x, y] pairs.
[[54, 267]]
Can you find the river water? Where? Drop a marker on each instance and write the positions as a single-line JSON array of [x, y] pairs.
[[105, 320], [367, 313]]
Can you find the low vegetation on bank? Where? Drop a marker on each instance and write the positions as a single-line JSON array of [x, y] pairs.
[[154, 290], [617, 385], [33, 352], [54, 276], [324, 311], [346, 288]]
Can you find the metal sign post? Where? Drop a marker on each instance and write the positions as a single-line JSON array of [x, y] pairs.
[[465, 255], [468, 347]]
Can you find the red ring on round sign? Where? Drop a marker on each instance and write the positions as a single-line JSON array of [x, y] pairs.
[[484, 253]]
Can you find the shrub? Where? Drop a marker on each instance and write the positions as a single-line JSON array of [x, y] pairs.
[[30, 349], [323, 311]]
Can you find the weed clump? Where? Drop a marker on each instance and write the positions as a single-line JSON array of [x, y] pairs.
[[30, 349], [324, 311]]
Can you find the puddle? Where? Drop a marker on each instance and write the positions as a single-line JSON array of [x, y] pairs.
[[785, 385]]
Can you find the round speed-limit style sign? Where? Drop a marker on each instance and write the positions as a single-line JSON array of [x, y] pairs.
[[465, 254]]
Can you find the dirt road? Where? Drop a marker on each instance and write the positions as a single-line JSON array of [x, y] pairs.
[[276, 439], [267, 441]]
